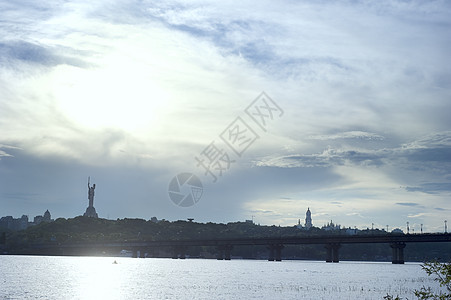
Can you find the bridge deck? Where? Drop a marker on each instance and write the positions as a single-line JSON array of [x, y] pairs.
[[332, 239]]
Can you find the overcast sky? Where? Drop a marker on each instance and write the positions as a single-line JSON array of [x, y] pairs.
[[131, 92]]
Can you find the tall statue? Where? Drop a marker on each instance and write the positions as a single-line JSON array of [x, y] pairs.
[[91, 211], [91, 193]]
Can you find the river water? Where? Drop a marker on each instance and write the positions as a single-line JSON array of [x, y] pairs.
[[45, 277]]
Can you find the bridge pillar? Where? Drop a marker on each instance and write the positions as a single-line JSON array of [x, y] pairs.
[[220, 253], [154, 252], [135, 253], [178, 252], [271, 253], [175, 253], [224, 252], [335, 256], [279, 248], [275, 252], [332, 252], [228, 252], [3, 239], [398, 252], [328, 253]]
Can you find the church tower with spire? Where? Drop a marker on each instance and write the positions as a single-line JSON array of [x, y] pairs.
[[308, 219]]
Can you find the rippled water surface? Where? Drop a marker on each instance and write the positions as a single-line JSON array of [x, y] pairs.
[[39, 277]]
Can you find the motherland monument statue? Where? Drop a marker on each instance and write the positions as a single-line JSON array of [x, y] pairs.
[[91, 211]]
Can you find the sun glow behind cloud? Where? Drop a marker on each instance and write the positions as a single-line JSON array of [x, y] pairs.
[[118, 95]]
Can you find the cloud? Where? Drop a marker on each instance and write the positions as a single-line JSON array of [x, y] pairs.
[[426, 151], [328, 158], [417, 215], [348, 135], [431, 188], [28, 52], [260, 211], [13, 51], [3, 153], [269, 38], [407, 204], [355, 214], [441, 209]]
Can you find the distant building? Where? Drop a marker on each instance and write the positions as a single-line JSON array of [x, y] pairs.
[[397, 230], [351, 231], [22, 223], [47, 216], [7, 222], [39, 219], [11, 223], [331, 226]]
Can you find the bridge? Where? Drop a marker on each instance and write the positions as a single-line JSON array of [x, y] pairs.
[[274, 245]]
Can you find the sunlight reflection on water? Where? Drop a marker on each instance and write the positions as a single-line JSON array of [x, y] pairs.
[[35, 277]]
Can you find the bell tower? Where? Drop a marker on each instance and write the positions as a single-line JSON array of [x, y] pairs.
[[308, 219]]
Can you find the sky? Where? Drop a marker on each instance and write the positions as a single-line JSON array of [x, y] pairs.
[[273, 106]]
